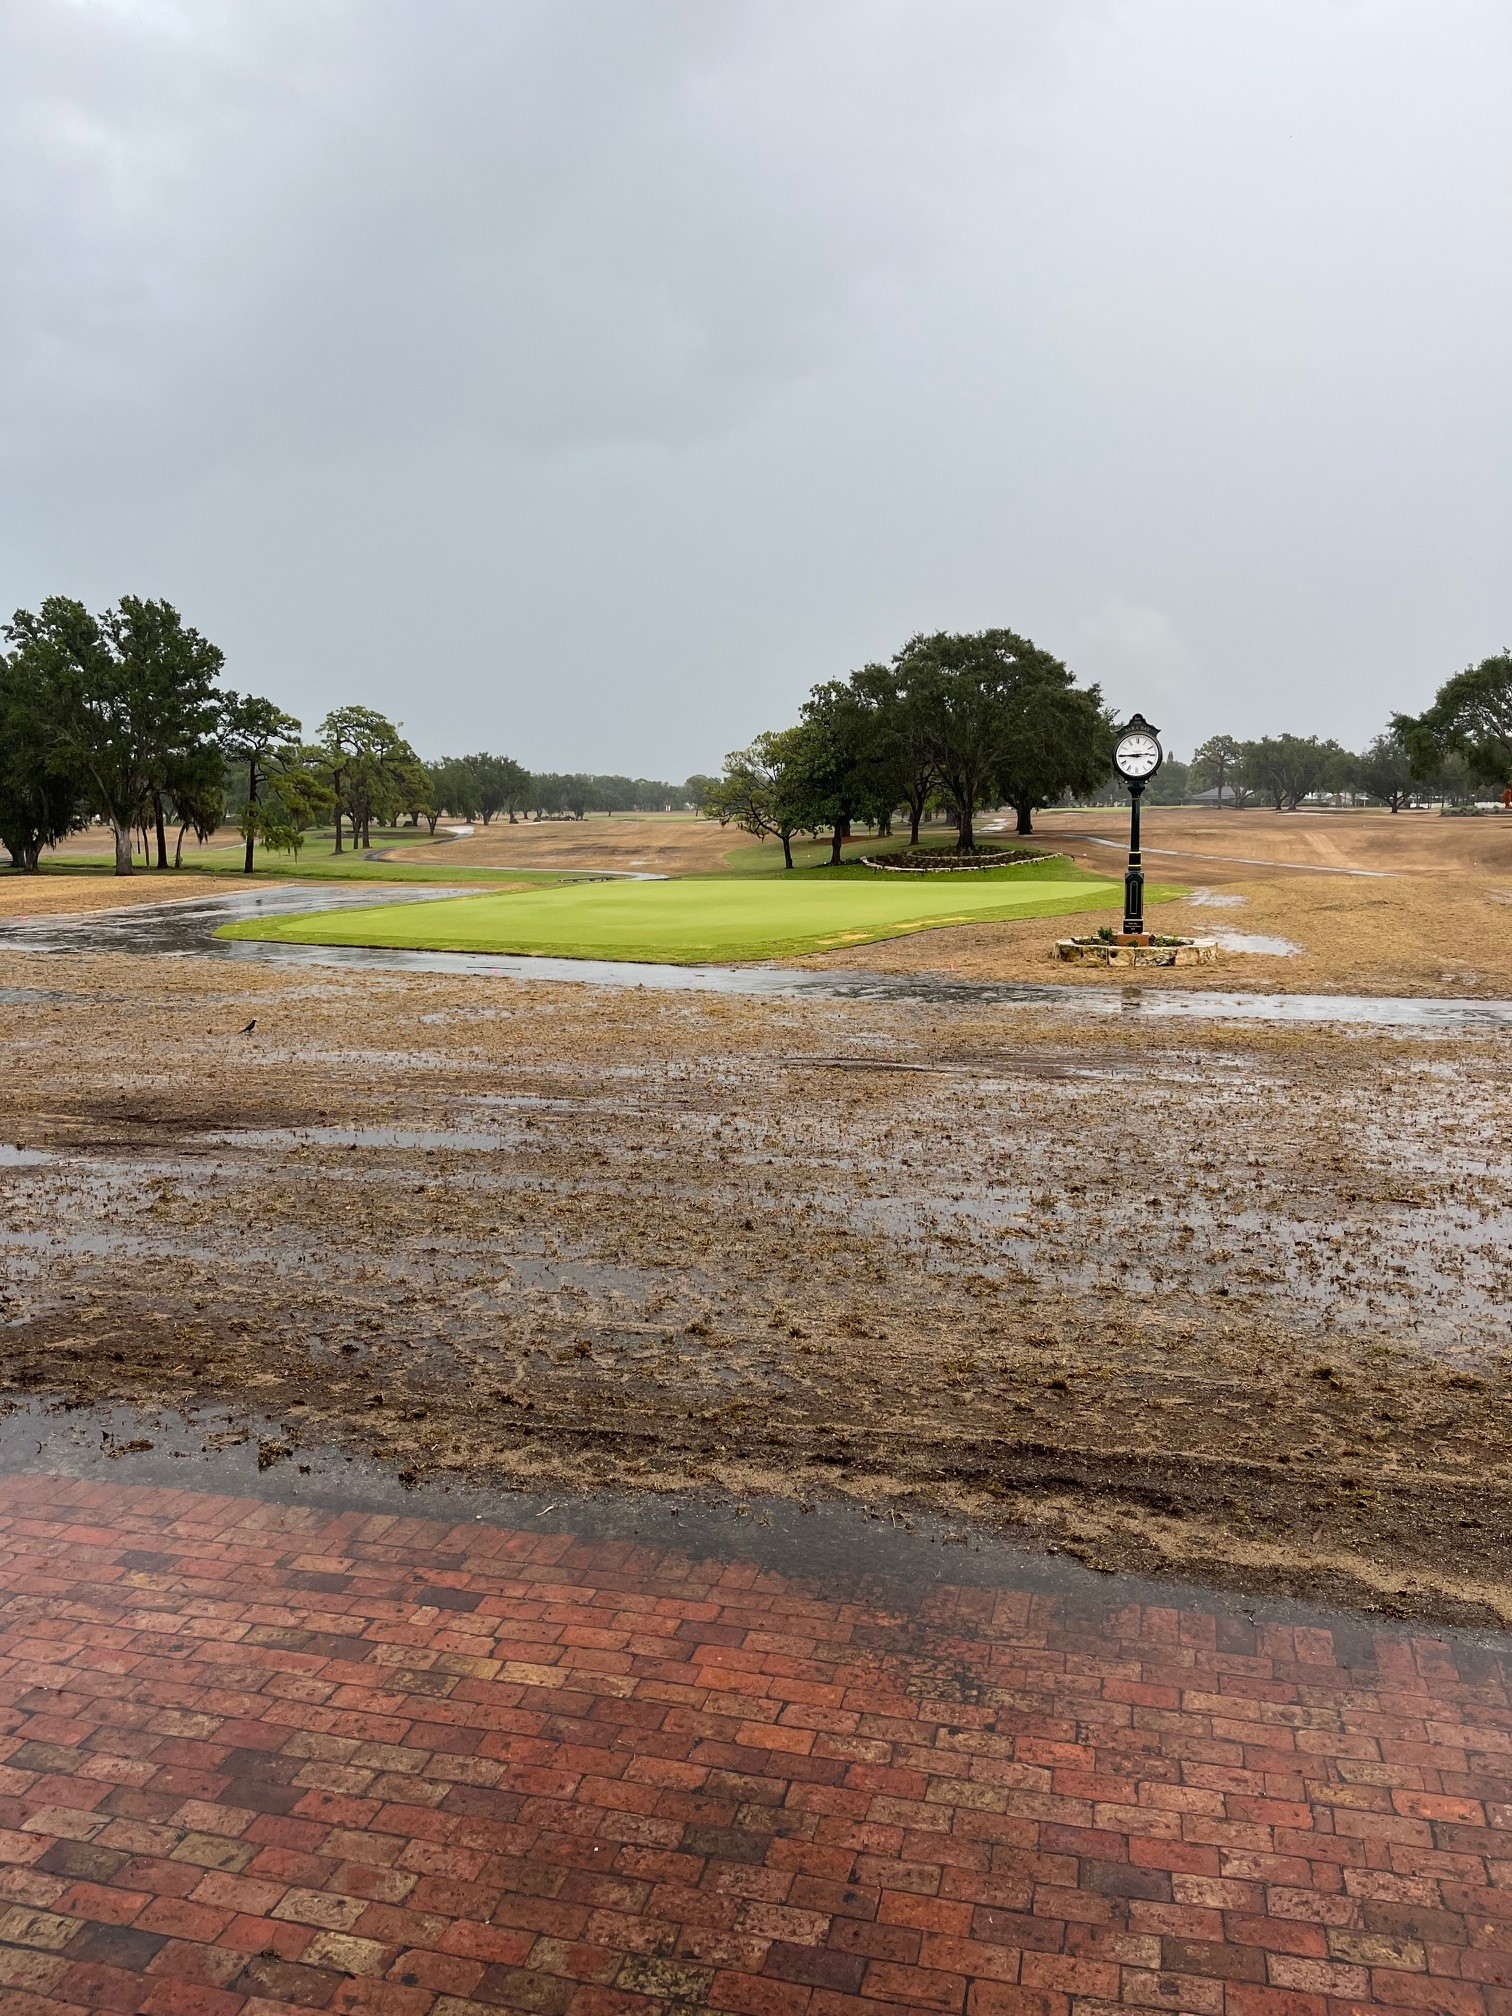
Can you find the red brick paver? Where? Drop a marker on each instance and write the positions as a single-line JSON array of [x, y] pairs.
[[255, 1758]]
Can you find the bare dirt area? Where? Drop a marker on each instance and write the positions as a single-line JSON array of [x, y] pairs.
[[652, 844], [23, 896], [1376, 903], [1225, 1302]]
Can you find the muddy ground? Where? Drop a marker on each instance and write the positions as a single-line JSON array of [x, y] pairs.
[[1231, 1302]]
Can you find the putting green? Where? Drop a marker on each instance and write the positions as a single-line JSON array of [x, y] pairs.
[[686, 923]]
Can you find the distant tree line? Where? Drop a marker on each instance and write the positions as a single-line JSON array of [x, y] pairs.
[[956, 721], [1284, 771], [487, 787], [1406, 764], [1449, 754], [121, 717]]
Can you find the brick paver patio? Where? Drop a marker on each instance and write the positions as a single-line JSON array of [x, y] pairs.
[[257, 1758]]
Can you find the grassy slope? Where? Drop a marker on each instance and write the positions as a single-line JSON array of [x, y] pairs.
[[316, 863], [322, 871], [436, 863], [686, 922]]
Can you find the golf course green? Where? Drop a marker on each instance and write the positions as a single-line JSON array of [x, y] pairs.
[[708, 918]]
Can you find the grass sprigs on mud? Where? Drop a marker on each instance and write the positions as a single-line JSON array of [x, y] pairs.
[[1229, 1302]]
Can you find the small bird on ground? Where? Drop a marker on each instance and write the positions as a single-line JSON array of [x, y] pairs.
[[250, 1027]]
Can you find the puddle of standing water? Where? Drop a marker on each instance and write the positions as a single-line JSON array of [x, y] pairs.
[[21, 1158], [184, 929], [169, 930], [1254, 941]]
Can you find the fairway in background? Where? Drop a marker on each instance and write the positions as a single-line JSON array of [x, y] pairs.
[[691, 922]]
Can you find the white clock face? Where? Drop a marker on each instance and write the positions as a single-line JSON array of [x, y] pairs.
[[1137, 755]]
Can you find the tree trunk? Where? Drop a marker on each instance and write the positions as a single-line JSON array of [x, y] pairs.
[[178, 852], [162, 837], [251, 801], [835, 838], [915, 814], [787, 850], [1025, 818], [338, 829], [966, 832], [124, 865]]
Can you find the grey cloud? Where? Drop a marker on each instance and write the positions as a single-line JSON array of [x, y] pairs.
[[588, 378]]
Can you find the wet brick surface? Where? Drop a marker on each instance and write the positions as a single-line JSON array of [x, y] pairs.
[[255, 1758]]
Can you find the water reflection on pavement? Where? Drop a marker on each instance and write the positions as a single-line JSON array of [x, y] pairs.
[[271, 1747]]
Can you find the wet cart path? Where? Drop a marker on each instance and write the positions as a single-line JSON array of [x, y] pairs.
[[264, 1756], [189, 927], [591, 1762]]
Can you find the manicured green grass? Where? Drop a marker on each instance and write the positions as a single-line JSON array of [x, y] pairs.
[[701, 919], [325, 867]]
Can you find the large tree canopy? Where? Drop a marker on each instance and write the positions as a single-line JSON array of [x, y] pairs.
[[266, 739], [1385, 769], [903, 767], [1218, 764], [997, 711], [1289, 768], [1058, 739], [1471, 717], [41, 790], [133, 694], [371, 771], [764, 789], [500, 784], [841, 760]]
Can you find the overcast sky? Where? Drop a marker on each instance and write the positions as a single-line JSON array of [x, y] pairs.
[[586, 378]]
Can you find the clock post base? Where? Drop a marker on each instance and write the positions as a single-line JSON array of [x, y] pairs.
[[1145, 950]]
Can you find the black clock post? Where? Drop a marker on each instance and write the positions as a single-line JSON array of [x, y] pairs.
[[1134, 873], [1136, 757]]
